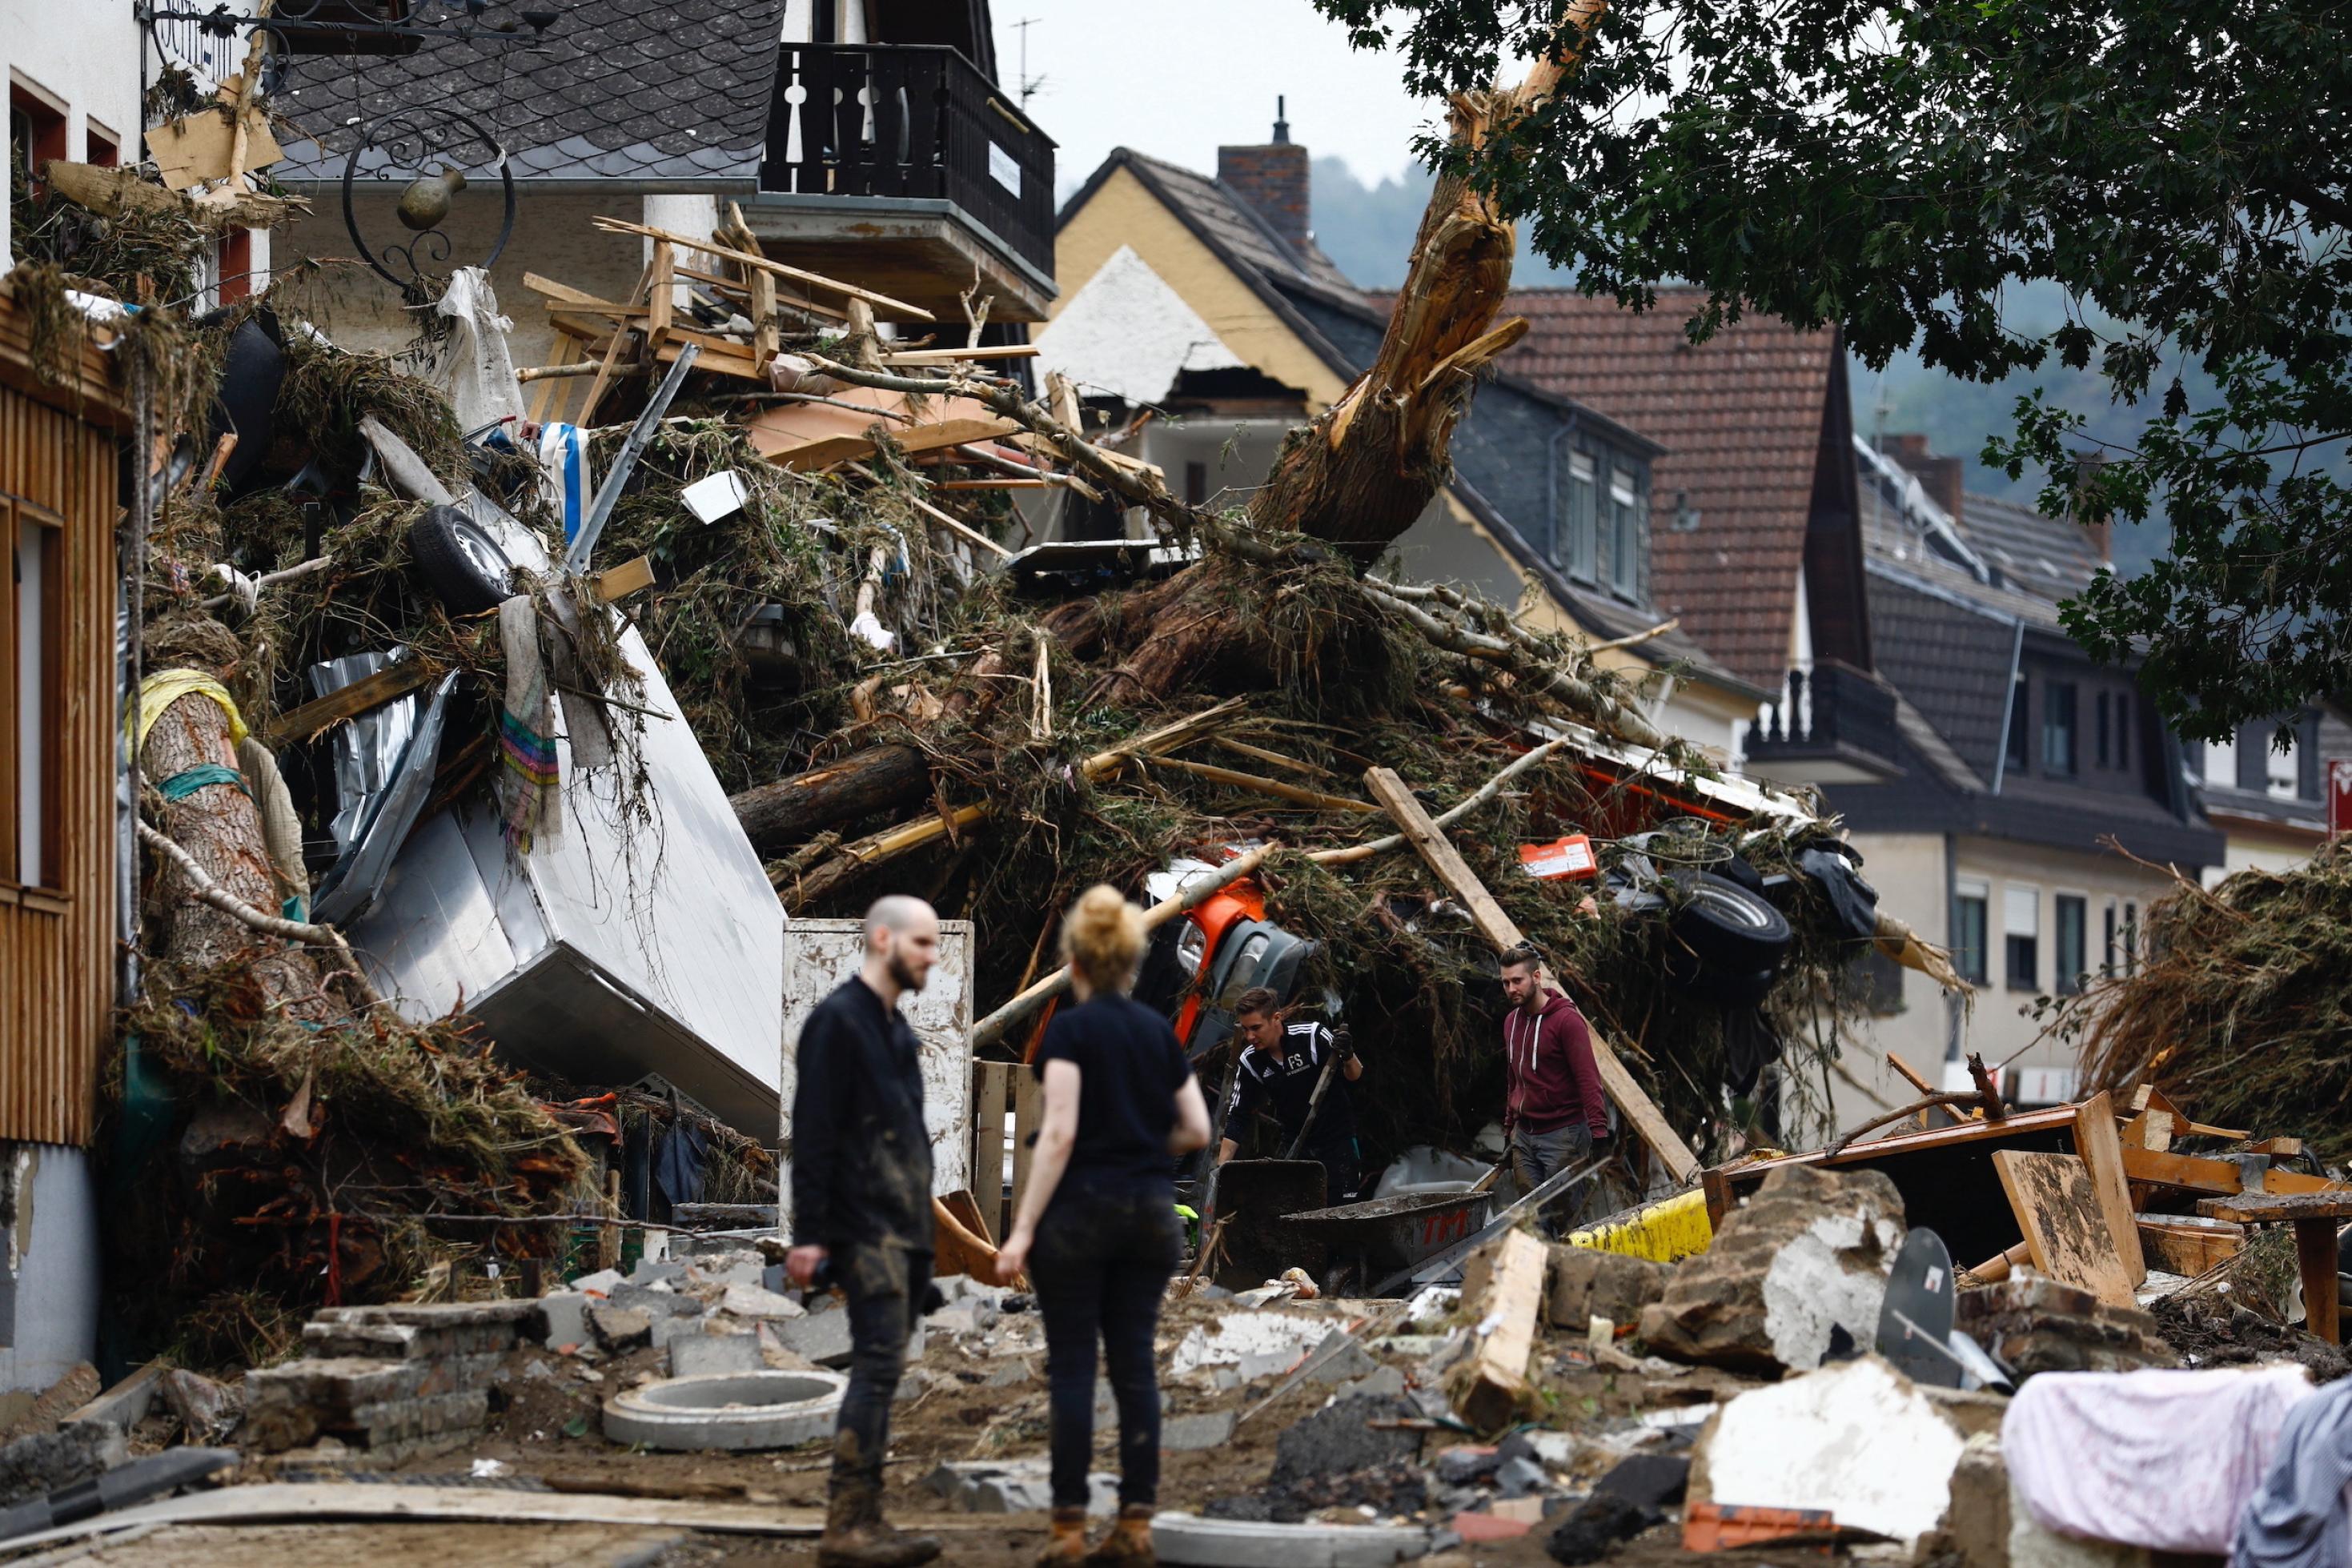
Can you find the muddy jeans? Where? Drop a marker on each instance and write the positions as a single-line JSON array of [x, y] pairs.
[[885, 1286], [1101, 1264], [1536, 1157]]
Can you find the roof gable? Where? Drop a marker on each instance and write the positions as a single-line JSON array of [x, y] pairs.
[[1741, 417]]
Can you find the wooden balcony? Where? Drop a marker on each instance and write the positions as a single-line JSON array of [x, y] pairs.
[[904, 168]]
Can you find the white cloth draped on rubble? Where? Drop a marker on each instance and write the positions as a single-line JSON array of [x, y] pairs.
[[2156, 1458]]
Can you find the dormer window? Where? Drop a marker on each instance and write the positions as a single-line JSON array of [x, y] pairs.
[[1624, 534], [1580, 548]]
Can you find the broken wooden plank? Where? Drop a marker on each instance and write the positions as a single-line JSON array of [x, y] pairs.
[[1273, 788], [618, 582], [362, 696], [2148, 1097], [825, 451], [2215, 1178], [2187, 1245], [954, 356], [2150, 1130], [958, 527], [1492, 1389], [2101, 1149], [2057, 1207], [285, 1500], [798, 274], [1648, 1122]]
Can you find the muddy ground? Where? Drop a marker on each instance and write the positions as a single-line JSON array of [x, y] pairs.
[[977, 1400]]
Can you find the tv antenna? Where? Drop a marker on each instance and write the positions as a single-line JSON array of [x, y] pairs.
[[1029, 84]]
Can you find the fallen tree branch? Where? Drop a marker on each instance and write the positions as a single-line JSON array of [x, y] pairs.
[[205, 889], [898, 841], [1470, 802], [1274, 787]]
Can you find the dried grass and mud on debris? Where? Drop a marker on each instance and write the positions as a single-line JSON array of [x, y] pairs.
[[416, 1235]]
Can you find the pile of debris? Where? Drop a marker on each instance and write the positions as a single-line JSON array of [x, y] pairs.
[[2238, 1002], [405, 651]]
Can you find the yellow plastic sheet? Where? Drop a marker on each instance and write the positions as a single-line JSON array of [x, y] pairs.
[[164, 687], [1671, 1229]]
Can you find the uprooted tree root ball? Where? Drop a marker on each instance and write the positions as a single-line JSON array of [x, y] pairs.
[[315, 1163]]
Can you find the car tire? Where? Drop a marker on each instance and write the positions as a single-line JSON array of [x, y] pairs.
[[1728, 927], [460, 562]]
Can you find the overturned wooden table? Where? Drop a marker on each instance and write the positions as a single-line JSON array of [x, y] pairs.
[[2316, 1215]]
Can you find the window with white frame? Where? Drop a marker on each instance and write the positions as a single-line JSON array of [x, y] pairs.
[[1626, 534], [2020, 910], [1581, 549]]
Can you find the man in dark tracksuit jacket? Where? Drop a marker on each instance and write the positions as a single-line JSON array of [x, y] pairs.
[[1554, 1114], [861, 1174]]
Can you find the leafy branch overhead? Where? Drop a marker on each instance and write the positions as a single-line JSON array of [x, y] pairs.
[[2178, 171]]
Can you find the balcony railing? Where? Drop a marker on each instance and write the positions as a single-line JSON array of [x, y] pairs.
[[911, 120], [1831, 711]]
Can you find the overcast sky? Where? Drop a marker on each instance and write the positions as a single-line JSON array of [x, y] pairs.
[[1175, 80]]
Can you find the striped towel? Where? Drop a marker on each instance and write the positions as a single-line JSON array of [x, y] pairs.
[[526, 731]]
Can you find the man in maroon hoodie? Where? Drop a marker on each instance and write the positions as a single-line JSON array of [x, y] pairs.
[[1553, 1112]]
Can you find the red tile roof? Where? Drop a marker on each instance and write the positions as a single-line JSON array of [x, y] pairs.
[[1742, 420]]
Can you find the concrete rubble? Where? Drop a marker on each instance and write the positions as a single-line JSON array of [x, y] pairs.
[[1801, 1262]]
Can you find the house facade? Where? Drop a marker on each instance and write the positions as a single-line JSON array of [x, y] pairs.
[[2042, 803], [1201, 307], [867, 142], [61, 857], [74, 94], [1755, 545]]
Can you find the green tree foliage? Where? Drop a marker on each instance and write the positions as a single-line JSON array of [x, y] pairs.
[[2178, 171]]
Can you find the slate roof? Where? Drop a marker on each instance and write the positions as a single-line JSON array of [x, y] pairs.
[[664, 93], [1948, 659], [2047, 556], [1741, 418], [1342, 324]]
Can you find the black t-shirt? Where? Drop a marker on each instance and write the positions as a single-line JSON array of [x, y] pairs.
[[1129, 1068], [1287, 1087]]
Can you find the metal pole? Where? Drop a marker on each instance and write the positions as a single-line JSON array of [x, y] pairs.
[[608, 493]]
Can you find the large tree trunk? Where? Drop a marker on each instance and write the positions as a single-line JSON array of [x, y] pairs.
[[1361, 473], [780, 815], [220, 828]]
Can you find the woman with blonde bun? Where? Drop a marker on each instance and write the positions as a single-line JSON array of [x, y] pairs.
[[1097, 1232]]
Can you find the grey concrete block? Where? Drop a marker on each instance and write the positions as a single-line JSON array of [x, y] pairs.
[[1386, 1382], [1192, 1434], [1339, 1359], [730, 1268], [619, 1328], [434, 1314], [822, 1337], [567, 1318], [649, 1269], [602, 1281], [654, 1302], [1182, 1539], [698, 1354], [1014, 1373], [1014, 1485], [667, 1331]]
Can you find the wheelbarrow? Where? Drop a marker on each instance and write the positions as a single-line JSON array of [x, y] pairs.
[[1388, 1235]]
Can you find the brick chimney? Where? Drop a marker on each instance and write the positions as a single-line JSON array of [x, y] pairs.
[[2087, 464], [1944, 478], [1273, 179]]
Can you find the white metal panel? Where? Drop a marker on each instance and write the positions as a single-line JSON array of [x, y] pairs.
[[819, 955]]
